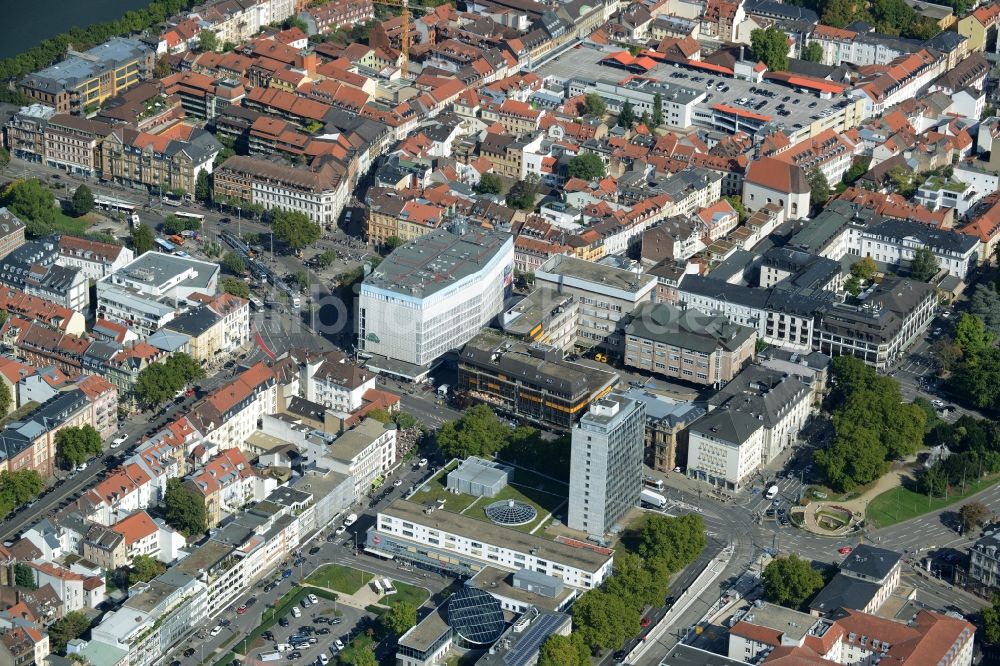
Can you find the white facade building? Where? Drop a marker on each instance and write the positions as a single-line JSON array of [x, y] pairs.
[[725, 448], [434, 294], [367, 453], [147, 293]]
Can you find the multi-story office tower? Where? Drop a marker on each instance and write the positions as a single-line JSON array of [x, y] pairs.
[[605, 476]]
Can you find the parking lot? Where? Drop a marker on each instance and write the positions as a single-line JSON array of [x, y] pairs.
[[315, 632]]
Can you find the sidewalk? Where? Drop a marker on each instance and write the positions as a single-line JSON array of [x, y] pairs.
[[858, 506]]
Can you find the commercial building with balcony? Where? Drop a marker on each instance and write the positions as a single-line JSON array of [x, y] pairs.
[[606, 296], [82, 81], [151, 290], [531, 383]]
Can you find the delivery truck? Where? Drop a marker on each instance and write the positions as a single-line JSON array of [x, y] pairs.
[[653, 499]]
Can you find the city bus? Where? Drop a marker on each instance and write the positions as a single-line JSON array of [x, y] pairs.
[[112, 205], [189, 216], [256, 303], [165, 245]]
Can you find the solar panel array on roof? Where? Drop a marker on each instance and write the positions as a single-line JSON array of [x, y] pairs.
[[526, 648]]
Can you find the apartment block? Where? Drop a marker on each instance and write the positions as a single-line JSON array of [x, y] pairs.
[[82, 81], [320, 193]]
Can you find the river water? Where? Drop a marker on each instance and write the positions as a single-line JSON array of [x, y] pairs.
[[24, 24]]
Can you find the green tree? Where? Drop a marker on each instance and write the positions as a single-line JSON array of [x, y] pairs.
[[184, 509], [657, 109], [162, 68], [587, 166], [635, 583], [6, 400], [813, 52], [208, 41], [4, 158], [737, 203], [184, 368], [864, 269], [77, 444], [400, 618], [971, 335], [973, 515], [560, 650], [381, 415], [819, 188], [144, 568], [985, 303], [904, 181], [925, 265], [83, 201], [675, 541], [853, 285], [522, 195], [203, 187], [301, 278], [946, 354], [593, 104], [991, 620], [326, 258], [405, 420], [235, 287], [626, 117], [790, 581], [24, 576], [295, 229], [393, 242], [840, 13], [34, 203], [490, 183], [770, 46], [233, 263], [359, 653], [478, 433], [603, 620], [70, 626], [142, 239], [858, 168], [17, 488]]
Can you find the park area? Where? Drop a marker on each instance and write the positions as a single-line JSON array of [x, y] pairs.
[[340, 578]]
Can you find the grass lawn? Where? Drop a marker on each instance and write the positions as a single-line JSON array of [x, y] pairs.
[[340, 578], [436, 489], [543, 493], [405, 592], [76, 226], [899, 504]]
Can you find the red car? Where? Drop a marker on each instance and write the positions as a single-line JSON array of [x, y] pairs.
[[645, 622], [190, 393], [241, 610], [846, 550]]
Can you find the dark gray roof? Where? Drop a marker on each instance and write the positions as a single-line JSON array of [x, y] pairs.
[[728, 425], [943, 240], [870, 561], [689, 329], [844, 592], [762, 393], [802, 302], [779, 10], [195, 322], [946, 41]]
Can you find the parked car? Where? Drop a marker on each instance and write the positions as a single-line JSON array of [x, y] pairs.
[[284, 621], [216, 630], [242, 609]]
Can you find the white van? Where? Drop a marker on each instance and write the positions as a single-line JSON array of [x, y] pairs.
[[771, 493], [377, 586], [387, 587], [282, 647], [350, 520]]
